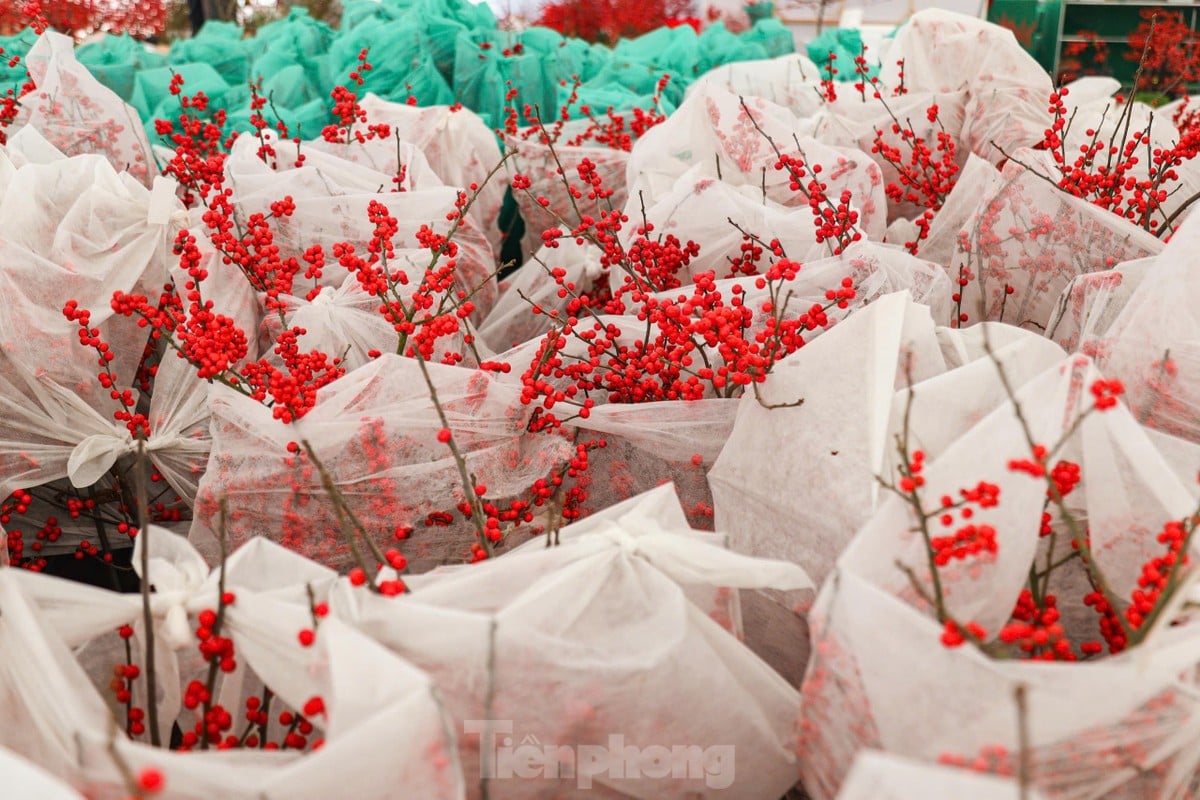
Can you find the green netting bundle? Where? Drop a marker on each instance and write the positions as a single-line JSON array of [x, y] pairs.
[[219, 45], [719, 46], [116, 60], [773, 36], [488, 62], [436, 51]]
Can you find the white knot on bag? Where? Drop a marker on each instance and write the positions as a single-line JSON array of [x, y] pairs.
[[96, 454], [690, 560], [178, 575], [163, 208]]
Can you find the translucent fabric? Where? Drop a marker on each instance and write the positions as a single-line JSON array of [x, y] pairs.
[[639, 676], [941, 52], [880, 776], [455, 142], [78, 115], [375, 432], [74, 229], [1027, 240], [371, 698], [1133, 721], [1153, 344]]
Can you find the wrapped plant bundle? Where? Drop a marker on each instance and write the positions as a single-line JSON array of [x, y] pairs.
[[343, 320], [456, 143], [941, 244], [940, 52], [72, 231], [550, 156], [1151, 345], [1070, 539], [340, 689], [1027, 240], [581, 660], [754, 143], [376, 435], [1092, 302], [792, 483], [511, 322], [646, 444], [726, 221], [789, 81], [77, 115], [329, 200]]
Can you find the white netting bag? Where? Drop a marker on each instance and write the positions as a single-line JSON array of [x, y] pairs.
[[647, 444], [722, 217], [77, 114], [1030, 236], [583, 659], [1091, 303], [791, 81], [345, 322], [716, 134], [73, 229], [1006, 90], [1154, 342], [512, 322], [370, 699], [794, 481], [550, 167], [1126, 727], [332, 198], [456, 143], [375, 430], [977, 178], [852, 120]]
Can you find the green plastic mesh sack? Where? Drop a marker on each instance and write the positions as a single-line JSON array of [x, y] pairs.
[[116, 60]]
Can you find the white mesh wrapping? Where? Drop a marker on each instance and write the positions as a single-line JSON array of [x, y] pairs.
[[1153, 345], [1125, 736], [1006, 89], [791, 81], [716, 215], [332, 196], [79, 115], [1028, 234], [373, 699], [711, 135], [455, 142], [75, 229], [375, 430], [569, 646], [881, 776], [550, 169]]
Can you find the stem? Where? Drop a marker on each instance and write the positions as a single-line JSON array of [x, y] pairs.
[[139, 478]]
